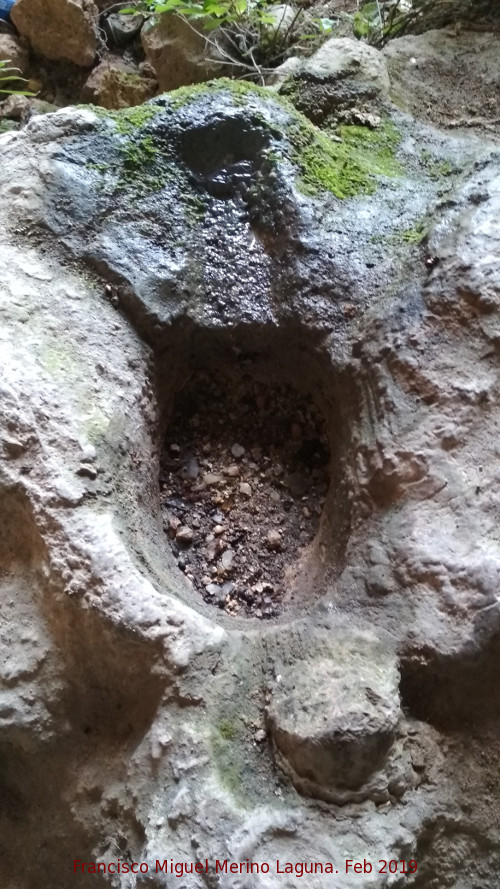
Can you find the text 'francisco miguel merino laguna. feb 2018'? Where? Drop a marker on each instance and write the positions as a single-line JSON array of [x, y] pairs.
[[224, 866]]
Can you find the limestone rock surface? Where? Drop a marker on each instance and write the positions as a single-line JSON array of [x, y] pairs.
[[334, 719], [138, 247], [59, 29]]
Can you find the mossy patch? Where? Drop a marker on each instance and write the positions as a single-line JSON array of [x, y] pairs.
[[238, 89], [412, 236], [226, 742], [347, 163], [416, 234], [127, 120], [436, 168]]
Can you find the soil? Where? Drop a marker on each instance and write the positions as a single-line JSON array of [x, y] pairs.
[[244, 479]]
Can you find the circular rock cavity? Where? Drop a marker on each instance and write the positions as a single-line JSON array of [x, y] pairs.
[[244, 480], [254, 499], [333, 720]]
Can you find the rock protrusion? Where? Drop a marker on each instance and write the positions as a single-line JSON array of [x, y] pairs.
[[179, 52], [61, 30], [333, 721]]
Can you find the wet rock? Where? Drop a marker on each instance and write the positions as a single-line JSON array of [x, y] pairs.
[[15, 107], [178, 52], [59, 29], [227, 559], [351, 60], [212, 479], [112, 84]]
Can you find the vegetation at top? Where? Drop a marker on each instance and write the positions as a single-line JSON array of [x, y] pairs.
[[250, 36]]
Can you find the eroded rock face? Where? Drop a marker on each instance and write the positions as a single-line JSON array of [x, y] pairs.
[[334, 720], [138, 249], [59, 29]]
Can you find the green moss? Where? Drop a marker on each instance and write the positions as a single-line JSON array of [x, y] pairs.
[[375, 147], [227, 730], [128, 120], [414, 235], [7, 125], [239, 90], [129, 79], [346, 164], [228, 753], [436, 168], [101, 168], [411, 236]]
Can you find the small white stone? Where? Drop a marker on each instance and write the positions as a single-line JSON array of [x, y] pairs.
[[237, 451]]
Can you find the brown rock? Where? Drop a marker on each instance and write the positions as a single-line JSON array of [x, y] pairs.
[[59, 29], [178, 52], [184, 534], [112, 84], [12, 51]]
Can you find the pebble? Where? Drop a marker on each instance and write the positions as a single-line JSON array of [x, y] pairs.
[[233, 470], [237, 451], [260, 736], [212, 550], [219, 529], [173, 525], [184, 534], [227, 559], [273, 540], [211, 478], [190, 468], [213, 589], [245, 489], [89, 471]]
